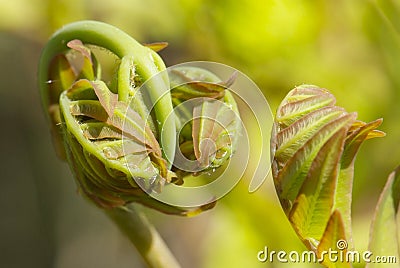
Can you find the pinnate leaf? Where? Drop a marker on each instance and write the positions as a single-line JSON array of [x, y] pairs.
[[314, 144], [334, 239], [311, 209]]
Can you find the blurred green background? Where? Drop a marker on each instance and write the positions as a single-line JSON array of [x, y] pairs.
[[349, 47]]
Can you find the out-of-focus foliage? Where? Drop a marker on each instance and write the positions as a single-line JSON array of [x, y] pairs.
[[386, 224], [348, 46]]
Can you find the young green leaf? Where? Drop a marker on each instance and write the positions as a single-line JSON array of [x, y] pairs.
[[210, 131], [334, 239], [156, 46], [314, 144], [358, 133], [87, 68], [298, 165], [214, 125], [312, 207], [385, 228]]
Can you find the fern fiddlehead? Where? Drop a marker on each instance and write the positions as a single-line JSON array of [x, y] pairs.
[[118, 149], [120, 137]]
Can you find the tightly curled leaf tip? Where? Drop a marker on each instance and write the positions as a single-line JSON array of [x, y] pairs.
[[77, 45]]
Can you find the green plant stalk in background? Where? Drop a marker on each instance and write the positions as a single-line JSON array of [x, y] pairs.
[[142, 234]]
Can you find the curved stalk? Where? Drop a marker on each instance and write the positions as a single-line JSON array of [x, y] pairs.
[[143, 235]]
